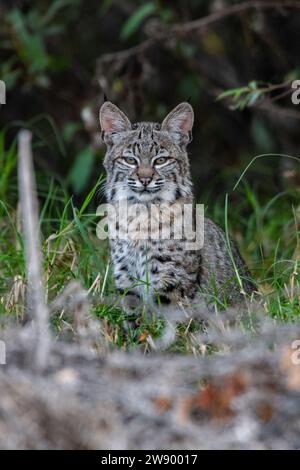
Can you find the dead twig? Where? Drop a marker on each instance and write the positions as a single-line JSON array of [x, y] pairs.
[[36, 306], [203, 23], [200, 24]]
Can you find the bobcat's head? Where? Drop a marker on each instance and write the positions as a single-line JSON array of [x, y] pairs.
[[147, 161]]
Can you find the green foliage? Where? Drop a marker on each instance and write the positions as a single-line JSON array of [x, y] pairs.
[[135, 21], [246, 96], [262, 135], [8, 73], [28, 37], [8, 160], [132, 24], [31, 48], [81, 170]]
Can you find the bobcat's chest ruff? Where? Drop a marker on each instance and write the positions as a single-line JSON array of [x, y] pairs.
[[132, 265]]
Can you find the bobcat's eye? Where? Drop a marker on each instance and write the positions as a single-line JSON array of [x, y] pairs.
[[129, 160], [161, 160]]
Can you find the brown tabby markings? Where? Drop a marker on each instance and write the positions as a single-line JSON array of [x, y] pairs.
[[147, 163]]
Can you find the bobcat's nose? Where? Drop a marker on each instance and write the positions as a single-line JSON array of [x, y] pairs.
[[145, 180]]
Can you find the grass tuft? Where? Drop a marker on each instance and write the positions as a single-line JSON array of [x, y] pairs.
[[266, 230]]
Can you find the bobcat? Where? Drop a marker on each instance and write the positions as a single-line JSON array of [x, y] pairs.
[[147, 164]]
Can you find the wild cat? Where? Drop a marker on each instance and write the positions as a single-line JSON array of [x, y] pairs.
[[147, 165]]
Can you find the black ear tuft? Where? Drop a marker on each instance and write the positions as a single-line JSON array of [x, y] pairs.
[[104, 97]]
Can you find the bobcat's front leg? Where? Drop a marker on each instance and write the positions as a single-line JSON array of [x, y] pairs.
[[130, 300]]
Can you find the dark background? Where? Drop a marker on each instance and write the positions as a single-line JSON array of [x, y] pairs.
[[58, 59]]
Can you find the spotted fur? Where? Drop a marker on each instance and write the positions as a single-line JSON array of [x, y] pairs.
[[147, 163]]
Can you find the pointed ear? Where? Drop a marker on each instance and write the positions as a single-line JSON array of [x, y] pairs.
[[180, 120], [112, 119]]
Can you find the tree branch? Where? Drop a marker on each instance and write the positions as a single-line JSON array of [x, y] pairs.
[[202, 23]]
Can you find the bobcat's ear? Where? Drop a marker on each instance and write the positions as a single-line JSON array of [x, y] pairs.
[[112, 119], [180, 120]]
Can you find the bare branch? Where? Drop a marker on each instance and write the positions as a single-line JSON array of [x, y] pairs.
[[202, 23], [125, 54]]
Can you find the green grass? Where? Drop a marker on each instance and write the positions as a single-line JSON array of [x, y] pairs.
[[265, 228]]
